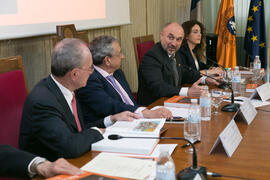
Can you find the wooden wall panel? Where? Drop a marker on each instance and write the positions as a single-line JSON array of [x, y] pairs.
[[154, 17], [127, 32], [147, 17]]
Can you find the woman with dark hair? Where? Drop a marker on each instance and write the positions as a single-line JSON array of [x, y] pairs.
[[193, 48]]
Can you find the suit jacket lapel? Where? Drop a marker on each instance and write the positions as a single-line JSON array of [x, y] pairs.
[[62, 101], [108, 84]]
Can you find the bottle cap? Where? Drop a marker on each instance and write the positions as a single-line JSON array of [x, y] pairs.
[[257, 56]]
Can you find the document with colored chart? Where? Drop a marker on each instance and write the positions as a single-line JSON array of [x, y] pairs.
[[136, 128]]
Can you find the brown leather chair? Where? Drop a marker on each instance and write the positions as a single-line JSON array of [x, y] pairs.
[[13, 92], [69, 31], [141, 45]]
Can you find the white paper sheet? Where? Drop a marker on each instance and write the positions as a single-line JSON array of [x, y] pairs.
[[118, 166]]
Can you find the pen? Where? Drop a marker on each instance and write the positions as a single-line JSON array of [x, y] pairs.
[[235, 99], [186, 145]]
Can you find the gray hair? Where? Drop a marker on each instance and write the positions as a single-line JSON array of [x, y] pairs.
[[67, 55], [101, 47], [168, 24]]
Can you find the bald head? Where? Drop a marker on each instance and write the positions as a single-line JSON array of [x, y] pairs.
[[171, 37]]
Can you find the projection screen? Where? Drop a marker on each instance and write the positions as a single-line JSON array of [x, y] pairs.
[[24, 18]]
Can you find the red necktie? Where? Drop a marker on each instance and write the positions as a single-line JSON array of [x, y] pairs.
[[74, 107]]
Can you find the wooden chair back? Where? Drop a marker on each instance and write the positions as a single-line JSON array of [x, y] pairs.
[[141, 45], [69, 31], [13, 63], [13, 92]]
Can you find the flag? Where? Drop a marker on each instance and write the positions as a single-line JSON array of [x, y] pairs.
[[225, 30], [196, 11], [255, 38]]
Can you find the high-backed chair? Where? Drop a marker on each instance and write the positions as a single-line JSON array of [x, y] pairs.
[[69, 31], [13, 92], [141, 45]]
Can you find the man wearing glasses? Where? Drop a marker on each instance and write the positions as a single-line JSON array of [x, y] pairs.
[[107, 91], [52, 124]]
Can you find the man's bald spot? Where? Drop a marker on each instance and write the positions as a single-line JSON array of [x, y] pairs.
[[170, 24]]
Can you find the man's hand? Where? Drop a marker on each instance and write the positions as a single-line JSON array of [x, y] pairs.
[[195, 90], [158, 113], [60, 166], [214, 81], [124, 116]]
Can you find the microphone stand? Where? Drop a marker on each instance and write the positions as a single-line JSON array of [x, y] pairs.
[[221, 85], [232, 107], [185, 174]]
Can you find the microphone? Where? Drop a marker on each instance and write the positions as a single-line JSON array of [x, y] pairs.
[[221, 85], [202, 74], [185, 174], [211, 60], [232, 107]]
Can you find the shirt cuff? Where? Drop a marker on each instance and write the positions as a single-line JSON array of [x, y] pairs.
[[203, 80], [183, 91], [95, 128], [107, 121], [35, 162], [139, 111]]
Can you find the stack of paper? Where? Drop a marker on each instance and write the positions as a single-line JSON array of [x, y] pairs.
[[137, 128]]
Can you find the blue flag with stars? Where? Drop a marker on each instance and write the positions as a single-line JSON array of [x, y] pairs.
[[255, 38]]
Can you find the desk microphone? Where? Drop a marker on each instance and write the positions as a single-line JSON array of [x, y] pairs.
[[221, 85], [232, 107], [185, 174]]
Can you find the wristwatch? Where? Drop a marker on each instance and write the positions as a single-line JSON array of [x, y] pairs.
[[34, 164]]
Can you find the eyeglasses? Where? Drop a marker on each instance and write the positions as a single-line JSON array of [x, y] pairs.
[[90, 69], [118, 55]]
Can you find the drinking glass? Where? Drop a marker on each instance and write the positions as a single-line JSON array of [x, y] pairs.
[[192, 132], [217, 98]]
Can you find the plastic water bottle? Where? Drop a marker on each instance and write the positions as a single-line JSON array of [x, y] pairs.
[[256, 68], [236, 80], [165, 169], [192, 125], [205, 104]]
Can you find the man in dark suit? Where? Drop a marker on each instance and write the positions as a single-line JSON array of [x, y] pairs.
[[16, 163], [52, 123], [161, 73], [107, 91]]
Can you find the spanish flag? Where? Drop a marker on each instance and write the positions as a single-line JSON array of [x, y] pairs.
[[225, 29]]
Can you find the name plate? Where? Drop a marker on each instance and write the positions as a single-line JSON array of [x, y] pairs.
[[262, 92], [248, 111], [229, 139]]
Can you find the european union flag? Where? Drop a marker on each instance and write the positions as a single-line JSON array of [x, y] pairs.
[[255, 38]]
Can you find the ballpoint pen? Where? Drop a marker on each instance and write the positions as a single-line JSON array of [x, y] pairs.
[[186, 145], [241, 100]]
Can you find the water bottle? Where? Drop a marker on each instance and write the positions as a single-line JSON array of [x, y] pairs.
[[165, 169], [192, 125], [236, 80], [256, 68], [205, 104]]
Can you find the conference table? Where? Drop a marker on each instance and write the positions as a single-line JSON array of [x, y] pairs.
[[250, 160]]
